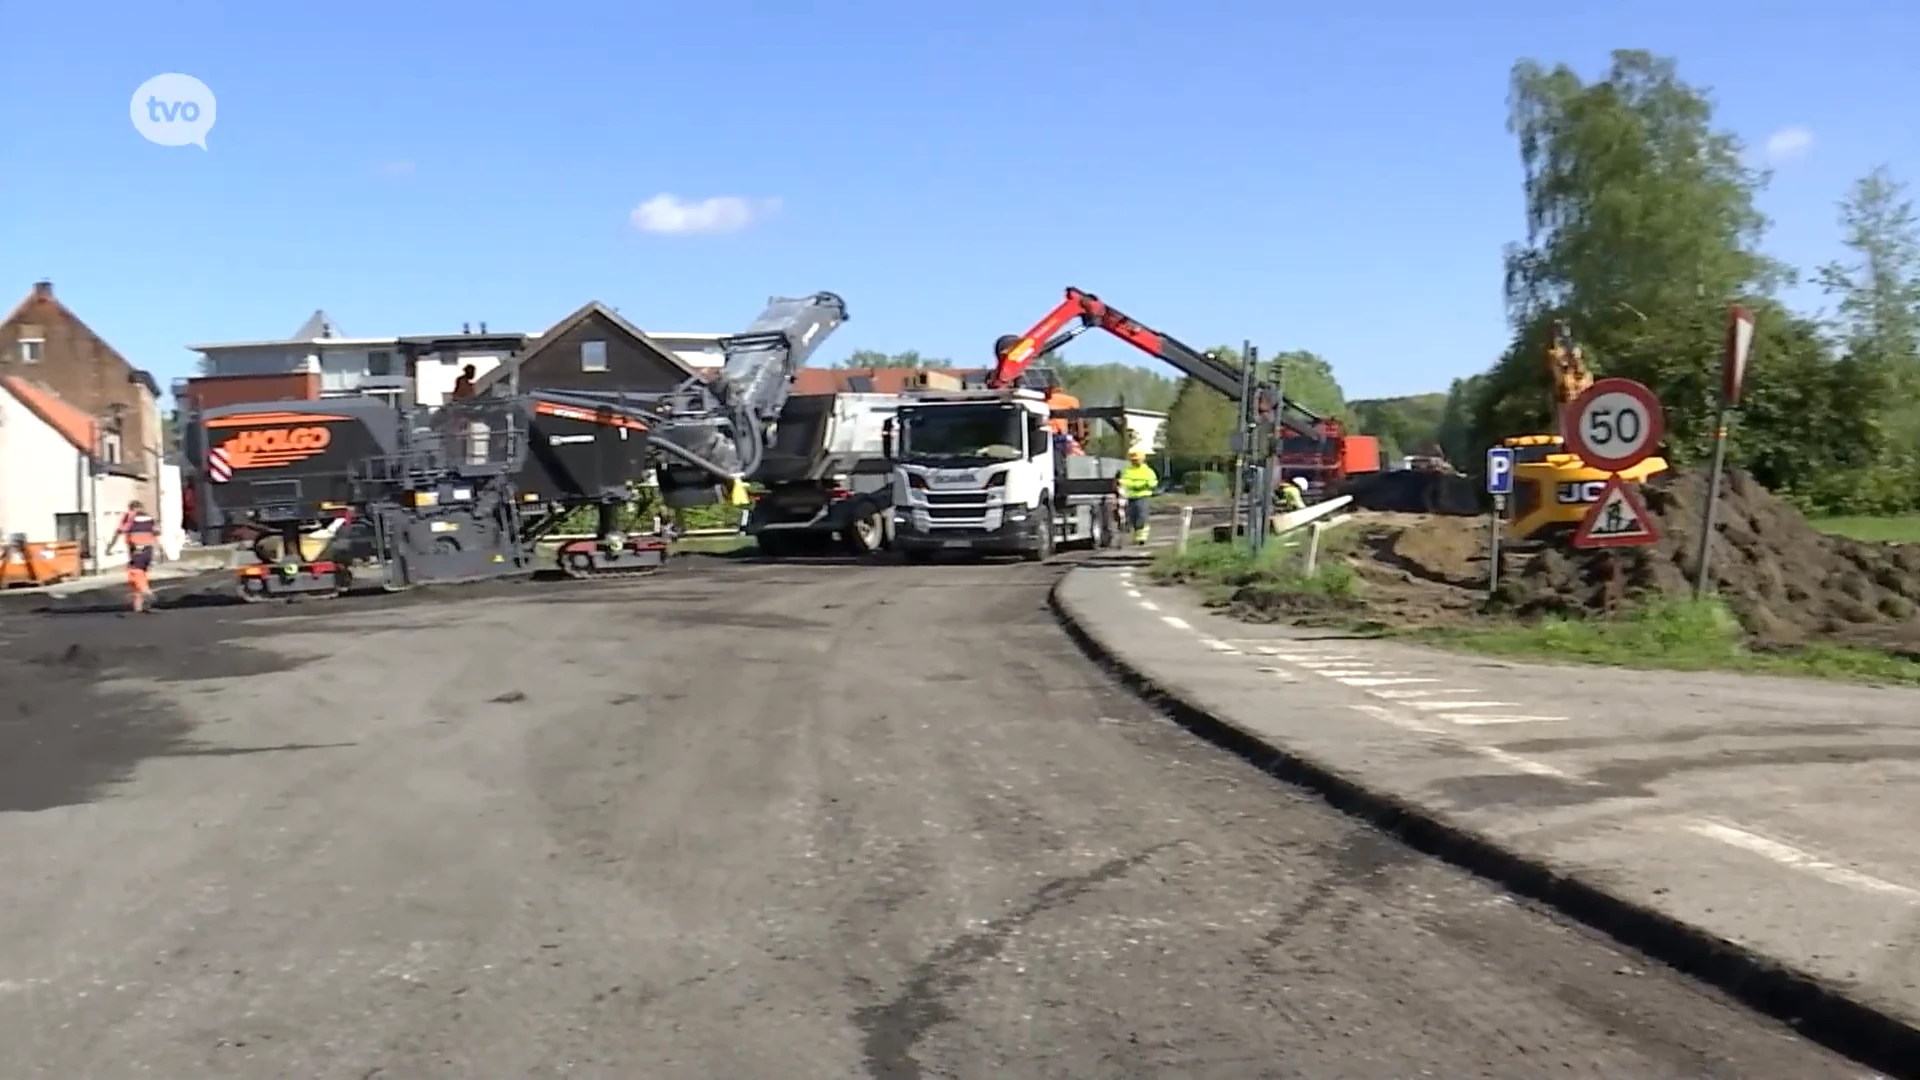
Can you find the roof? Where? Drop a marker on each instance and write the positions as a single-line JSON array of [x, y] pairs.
[[73, 424], [42, 294], [812, 380], [560, 329]]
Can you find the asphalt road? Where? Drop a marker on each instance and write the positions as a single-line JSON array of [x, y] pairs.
[[735, 821]]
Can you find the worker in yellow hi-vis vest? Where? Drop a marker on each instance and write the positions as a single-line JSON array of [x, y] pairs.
[[738, 498], [1137, 483]]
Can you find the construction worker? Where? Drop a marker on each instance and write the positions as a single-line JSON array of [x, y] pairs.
[[463, 386], [143, 534], [1137, 483], [740, 499], [1293, 495]]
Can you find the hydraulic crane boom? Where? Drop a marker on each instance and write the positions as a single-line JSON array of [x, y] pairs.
[[1083, 311]]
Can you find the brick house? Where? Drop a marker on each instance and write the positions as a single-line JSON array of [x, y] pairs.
[[45, 343]]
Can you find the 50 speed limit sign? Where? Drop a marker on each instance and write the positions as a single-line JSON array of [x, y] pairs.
[[1614, 425]]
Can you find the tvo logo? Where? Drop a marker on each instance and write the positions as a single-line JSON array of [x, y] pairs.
[[1576, 492], [173, 110]]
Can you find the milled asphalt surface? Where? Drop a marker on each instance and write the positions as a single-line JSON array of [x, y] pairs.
[[733, 821]]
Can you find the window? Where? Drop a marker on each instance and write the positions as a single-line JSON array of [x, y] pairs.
[[110, 448], [32, 349], [593, 356], [380, 363]]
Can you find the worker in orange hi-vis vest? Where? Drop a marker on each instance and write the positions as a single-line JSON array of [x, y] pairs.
[[143, 535]]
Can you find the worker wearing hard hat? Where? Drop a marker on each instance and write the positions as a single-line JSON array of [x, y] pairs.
[[1137, 483], [1293, 495]]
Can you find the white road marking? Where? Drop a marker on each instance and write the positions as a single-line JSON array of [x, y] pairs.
[[1472, 719], [1281, 673], [1150, 605], [1333, 665], [1219, 646], [1437, 706], [1399, 719], [1528, 765], [1790, 856], [1385, 681], [1176, 622], [1135, 593]]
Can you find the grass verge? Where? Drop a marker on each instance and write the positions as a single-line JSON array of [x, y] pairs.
[[1222, 570], [1676, 635], [1904, 529]]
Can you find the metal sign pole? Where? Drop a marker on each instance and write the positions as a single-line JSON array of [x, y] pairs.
[[1739, 348], [1499, 485]]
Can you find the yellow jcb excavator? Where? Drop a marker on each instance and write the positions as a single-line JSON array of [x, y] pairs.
[[1553, 488]]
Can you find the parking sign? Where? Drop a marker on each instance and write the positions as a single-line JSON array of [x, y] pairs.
[[1500, 470]]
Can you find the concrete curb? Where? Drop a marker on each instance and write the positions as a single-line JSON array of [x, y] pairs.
[[1817, 1011]]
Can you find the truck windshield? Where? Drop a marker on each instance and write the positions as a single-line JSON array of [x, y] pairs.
[[962, 431]]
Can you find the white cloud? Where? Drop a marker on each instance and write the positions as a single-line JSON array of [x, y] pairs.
[[719, 214], [1789, 143]]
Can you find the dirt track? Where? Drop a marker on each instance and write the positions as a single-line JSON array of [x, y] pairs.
[[735, 821]]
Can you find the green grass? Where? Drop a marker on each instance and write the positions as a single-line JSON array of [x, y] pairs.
[[1220, 569], [712, 545], [1676, 635], [1904, 529]]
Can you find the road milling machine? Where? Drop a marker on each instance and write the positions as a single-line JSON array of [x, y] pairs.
[[465, 492]]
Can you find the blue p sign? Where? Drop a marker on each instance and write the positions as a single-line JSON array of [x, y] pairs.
[[1500, 470]]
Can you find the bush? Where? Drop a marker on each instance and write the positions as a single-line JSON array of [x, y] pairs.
[[1204, 483]]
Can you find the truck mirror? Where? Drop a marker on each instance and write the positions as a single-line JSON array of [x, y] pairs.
[[886, 440]]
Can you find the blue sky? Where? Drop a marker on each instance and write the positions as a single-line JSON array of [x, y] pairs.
[[1219, 169]]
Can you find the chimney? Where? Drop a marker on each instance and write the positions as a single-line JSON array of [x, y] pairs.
[[466, 328], [483, 328], [43, 290]]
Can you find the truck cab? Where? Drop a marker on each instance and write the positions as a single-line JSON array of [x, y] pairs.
[[977, 472]]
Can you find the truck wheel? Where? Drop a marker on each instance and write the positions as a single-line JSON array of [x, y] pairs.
[[1042, 549], [867, 535]]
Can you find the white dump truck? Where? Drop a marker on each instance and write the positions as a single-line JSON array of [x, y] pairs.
[[979, 472]]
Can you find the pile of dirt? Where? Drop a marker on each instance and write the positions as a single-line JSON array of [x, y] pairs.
[[1785, 580]]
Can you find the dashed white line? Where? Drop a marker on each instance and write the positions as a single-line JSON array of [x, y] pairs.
[[1528, 765], [1387, 681], [1176, 622], [1219, 646], [1150, 605], [1440, 706], [1134, 593], [1483, 719], [1493, 753], [1790, 856]]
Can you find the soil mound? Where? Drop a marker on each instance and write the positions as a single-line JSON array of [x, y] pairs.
[[1785, 580]]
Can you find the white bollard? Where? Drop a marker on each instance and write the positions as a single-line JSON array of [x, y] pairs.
[[1313, 544], [1186, 529]]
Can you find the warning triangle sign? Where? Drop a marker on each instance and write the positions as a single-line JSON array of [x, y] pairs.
[[1617, 519]]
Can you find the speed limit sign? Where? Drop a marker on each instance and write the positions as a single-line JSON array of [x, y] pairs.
[[1615, 425]]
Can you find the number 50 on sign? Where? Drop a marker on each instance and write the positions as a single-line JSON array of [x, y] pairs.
[[1614, 425]]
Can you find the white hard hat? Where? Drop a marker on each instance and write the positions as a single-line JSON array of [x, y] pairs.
[[1300, 482]]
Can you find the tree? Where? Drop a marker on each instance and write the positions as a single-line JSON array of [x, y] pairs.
[[1200, 423], [1641, 226], [1309, 382], [1879, 291]]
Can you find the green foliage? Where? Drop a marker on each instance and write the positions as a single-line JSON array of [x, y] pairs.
[[1404, 425], [1206, 483], [1641, 228], [1683, 635], [1237, 565], [1115, 384]]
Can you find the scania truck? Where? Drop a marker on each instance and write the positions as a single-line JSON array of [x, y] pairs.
[[978, 472]]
